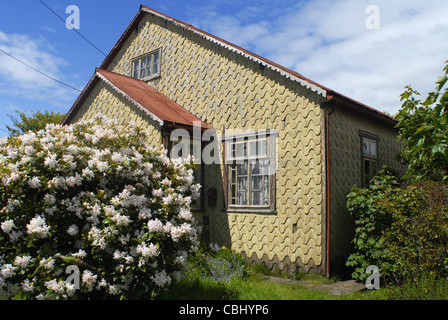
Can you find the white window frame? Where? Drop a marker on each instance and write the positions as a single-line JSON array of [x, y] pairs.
[[249, 150], [140, 65]]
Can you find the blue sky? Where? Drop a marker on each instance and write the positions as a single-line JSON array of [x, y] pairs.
[[325, 40]]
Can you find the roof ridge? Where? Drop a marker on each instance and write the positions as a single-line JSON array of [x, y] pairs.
[[258, 57], [293, 75], [326, 92]]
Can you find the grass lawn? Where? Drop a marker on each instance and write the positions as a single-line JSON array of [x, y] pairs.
[[255, 287]]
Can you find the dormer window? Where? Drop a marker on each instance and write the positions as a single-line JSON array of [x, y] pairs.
[[147, 67]]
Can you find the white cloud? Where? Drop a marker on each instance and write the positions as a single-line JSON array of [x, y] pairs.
[[19, 80], [328, 42]]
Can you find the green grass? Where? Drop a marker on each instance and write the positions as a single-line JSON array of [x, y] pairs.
[[226, 276], [255, 287]]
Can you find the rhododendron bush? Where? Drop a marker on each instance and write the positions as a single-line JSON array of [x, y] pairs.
[[97, 197]]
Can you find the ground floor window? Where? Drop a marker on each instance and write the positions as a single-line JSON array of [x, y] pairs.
[[250, 161], [369, 161]]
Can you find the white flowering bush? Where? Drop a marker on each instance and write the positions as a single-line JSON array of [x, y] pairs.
[[97, 196]]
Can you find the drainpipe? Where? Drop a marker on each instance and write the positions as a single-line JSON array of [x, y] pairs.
[[327, 186]]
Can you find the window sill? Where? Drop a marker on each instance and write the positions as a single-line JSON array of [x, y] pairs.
[[251, 210], [146, 79]]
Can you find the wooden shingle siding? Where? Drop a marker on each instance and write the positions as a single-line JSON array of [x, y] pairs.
[[105, 100], [345, 164], [229, 91]]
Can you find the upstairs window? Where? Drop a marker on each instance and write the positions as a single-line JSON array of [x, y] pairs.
[[147, 67]]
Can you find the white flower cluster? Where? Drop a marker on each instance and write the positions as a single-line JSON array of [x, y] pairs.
[[38, 227], [98, 192]]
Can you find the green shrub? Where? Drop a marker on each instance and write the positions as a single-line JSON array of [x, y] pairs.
[[426, 287], [402, 229], [217, 264], [212, 273], [417, 240], [362, 204]]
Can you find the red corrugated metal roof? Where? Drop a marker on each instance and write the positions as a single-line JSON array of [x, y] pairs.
[[155, 102], [158, 106]]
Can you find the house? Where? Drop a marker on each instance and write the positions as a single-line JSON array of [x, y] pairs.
[[288, 149]]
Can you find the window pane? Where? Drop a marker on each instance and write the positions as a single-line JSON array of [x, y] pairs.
[[254, 148], [365, 146], [143, 69], [136, 69], [233, 194], [242, 169], [260, 167], [233, 174], [232, 150], [262, 147], [264, 166], [367, 168], [256, 198], [148, 66], [232, 170], [255, 168], [265, 190], [241, 149], [155, 63], [242, 183], [373, 148], [242, 198], [259, 147], [256, 182], [374, 169]]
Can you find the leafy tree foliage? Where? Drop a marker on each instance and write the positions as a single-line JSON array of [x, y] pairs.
[[34, 122], [402, 227], [423, 129]]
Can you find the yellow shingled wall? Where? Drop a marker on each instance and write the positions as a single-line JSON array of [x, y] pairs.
[[229, 91], [105, 100], [345, 171]]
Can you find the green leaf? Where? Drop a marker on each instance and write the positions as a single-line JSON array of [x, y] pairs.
[[441, 82]]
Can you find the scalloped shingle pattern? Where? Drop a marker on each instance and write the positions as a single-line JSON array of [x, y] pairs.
[[232, 90], [229, 91], [345, 171], [105, 100]]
